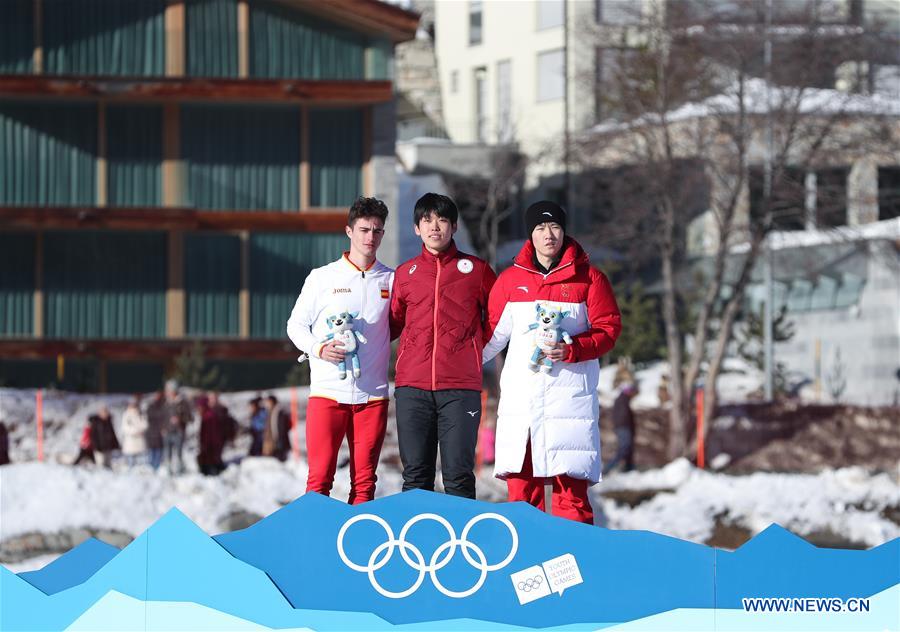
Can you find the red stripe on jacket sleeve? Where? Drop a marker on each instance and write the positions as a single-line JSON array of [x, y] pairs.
[[604, 318]]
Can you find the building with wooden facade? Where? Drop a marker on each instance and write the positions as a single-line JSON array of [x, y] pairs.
[[170, 170]]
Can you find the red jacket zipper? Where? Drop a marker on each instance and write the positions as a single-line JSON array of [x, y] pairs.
[[437, 281]]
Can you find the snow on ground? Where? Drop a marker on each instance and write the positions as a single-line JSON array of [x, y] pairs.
[[31, 564], [737, 381], [54, 497], [848, 501]]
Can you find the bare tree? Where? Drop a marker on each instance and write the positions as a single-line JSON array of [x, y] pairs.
[[697, 101], [486, 201]]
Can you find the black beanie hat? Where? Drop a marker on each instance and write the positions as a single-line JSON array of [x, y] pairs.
[[544, 211]]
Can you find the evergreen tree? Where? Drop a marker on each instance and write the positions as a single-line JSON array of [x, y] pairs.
[[751, 341], [641, 338], [192, 369]]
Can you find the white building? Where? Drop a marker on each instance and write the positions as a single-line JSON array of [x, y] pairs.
[[503, 68]]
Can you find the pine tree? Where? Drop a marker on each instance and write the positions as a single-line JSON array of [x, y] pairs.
[[191, 369], [751, 341], [641, 338]]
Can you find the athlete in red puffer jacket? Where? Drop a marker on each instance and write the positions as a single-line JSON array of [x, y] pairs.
[[547, 421], [438, 308]]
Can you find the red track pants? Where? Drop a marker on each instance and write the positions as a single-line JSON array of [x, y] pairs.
[[327, 423], [569, 498]]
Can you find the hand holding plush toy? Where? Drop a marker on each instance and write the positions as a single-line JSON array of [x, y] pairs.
[[547, 335], [342, 331]]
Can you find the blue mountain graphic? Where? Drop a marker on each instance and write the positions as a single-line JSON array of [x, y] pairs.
[[286, 572], [777, 563], [73, 568], [174, 560]]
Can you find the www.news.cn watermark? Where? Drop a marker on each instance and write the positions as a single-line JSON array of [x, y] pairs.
[[804, 604]]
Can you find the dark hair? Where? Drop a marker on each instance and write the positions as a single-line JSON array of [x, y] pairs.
[[367, 207], [440, 205]]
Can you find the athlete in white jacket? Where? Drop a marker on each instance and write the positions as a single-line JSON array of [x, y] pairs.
[[355, 407]]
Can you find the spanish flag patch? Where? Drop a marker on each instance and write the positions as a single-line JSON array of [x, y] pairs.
[[385, 293]]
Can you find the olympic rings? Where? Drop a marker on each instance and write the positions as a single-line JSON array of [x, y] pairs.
[[532, 583], [414, 558]]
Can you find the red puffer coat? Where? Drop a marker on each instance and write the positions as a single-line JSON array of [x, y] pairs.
[[438, 308]]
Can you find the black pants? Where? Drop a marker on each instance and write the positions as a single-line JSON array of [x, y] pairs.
[[428, 420]]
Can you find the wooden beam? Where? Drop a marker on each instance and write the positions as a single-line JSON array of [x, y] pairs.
[[370, 16], [317, 220], [102, 166], [172, 168], [124, 89], [304, 159], [244, 295], [146, 349], [243, 34], [38, 303], [175, 302], [37, 57], [175, 48]]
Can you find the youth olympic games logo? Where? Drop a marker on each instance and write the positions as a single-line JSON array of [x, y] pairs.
[[413, 557]]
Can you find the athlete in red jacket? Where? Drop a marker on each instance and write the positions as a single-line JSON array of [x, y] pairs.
[[438, 307], [547, 419]]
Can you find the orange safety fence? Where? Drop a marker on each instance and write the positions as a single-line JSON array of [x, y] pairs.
[[701, 447], [295, 423]]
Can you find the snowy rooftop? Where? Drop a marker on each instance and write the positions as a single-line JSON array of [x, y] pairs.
[[885, 229], [756, 97]]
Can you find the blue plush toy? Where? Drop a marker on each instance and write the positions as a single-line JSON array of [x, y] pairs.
[[547, 336], [342, 331]]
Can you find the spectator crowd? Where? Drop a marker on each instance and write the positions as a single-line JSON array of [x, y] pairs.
[[155, 433]]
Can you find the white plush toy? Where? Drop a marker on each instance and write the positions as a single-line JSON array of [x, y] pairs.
[[547, 335], [342, 331]]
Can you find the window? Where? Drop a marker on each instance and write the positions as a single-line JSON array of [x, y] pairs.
[[831, 197], [551, 14], [888, 192], [788, 198], [613, 68], [551, 78], [454, 81], [481, 128], [617, 11], [504, 102], [475, 16]]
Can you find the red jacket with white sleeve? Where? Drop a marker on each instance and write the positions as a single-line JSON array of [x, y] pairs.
[[557, 411]]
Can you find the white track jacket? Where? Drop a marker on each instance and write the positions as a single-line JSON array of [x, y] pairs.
[[331, 289]]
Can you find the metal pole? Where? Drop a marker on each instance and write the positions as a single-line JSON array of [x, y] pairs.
[[566, 173], [769, 315]]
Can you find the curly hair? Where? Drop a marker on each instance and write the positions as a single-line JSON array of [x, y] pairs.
[[367, 207]]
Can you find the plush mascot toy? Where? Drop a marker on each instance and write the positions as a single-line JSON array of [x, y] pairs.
[[342, 331], [547, 336]]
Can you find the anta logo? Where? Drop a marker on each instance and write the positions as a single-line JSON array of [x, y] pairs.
[[342, 290]]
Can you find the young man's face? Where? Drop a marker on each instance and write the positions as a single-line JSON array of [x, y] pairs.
[[365, 236], [547, 239], [435, 231]]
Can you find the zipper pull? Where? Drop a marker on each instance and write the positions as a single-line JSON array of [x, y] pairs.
[[363, 273]]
